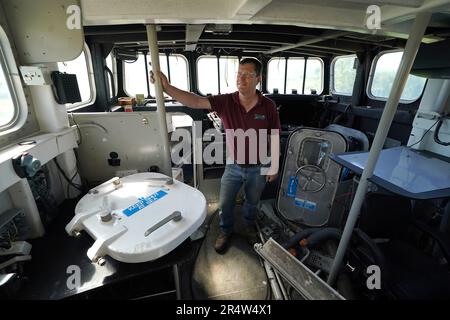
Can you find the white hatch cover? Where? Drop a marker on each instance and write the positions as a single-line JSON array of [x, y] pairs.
[[138, 218]]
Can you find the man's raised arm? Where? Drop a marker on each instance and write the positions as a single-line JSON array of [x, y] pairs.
[[189, 99]]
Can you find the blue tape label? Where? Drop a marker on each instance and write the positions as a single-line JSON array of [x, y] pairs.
[[309, 205], [299, 202], [292, 187], [143, 202]]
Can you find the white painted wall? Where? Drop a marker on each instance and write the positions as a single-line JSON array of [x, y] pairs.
[[133, 135], [435, 101]]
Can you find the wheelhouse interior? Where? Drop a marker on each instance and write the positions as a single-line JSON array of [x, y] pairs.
[[329, 68]]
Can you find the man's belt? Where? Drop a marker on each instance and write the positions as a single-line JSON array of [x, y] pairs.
[[248, 165]]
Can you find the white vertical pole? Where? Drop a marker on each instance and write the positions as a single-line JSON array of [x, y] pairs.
[[412, 45], [161, 111]]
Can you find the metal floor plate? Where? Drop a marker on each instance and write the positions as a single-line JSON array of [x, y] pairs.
[[237, 274]]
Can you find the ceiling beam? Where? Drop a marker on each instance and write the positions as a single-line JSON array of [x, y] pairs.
[[266, 41], [397, 15], [249, 8], [395, 43], [325, 36], [340, 45], [399, 3], [193, 33], [331, 48]]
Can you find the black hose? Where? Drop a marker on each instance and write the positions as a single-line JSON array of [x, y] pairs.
[[377, 254], [69, 181], [299, 236], [321, 235], [436, 133]]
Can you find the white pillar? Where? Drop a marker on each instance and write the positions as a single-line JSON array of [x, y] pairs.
[[411, 48], [51, 116], [161, 111]]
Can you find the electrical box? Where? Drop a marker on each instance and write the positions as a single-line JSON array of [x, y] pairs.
[[66, 85]]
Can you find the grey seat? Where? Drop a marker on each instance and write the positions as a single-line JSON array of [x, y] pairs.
[[407, 271], [354, 137]]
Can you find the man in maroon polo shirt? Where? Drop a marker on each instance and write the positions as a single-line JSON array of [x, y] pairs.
[[246, 116]]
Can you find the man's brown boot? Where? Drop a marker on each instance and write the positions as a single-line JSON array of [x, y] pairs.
[[222, 242]]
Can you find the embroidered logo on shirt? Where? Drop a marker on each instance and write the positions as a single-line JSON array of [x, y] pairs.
[[260, 116]]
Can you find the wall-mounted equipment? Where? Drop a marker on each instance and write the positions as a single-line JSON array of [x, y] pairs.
[[124, 54], [66, 87], [25, 165]]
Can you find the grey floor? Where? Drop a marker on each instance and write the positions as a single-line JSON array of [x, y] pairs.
[[237, 274]]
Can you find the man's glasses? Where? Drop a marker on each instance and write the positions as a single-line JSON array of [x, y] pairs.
[[250, 75]]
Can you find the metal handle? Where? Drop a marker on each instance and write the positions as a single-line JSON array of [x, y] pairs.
[[175, 216], [165, 180]]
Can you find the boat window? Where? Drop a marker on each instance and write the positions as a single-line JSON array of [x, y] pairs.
[[343, 74], [384, 69], [13, 105], [7, 107], [135, 79], [293, 78]]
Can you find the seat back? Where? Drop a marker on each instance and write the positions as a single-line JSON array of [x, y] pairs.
[[407, 272], [357, 140]]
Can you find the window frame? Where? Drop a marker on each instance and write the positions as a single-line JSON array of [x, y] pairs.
[[239, 58], [168, 67], [372, 75], [332, 88], [217, 58], [14, 83], [114, 72], [161, 55], [90, 71], [322, 73], [220, 76], [268, 74], [124, 87]]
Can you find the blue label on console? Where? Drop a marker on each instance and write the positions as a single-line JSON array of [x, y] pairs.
[[292, 187], [300, 203], [143, 202], [309, 205]]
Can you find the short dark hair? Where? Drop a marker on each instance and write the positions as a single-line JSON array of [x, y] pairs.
[[256, 63]]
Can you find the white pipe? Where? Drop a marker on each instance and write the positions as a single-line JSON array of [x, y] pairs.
[[271, 274], [280, 284], [411, 48], [273, 281], [160, 111]]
